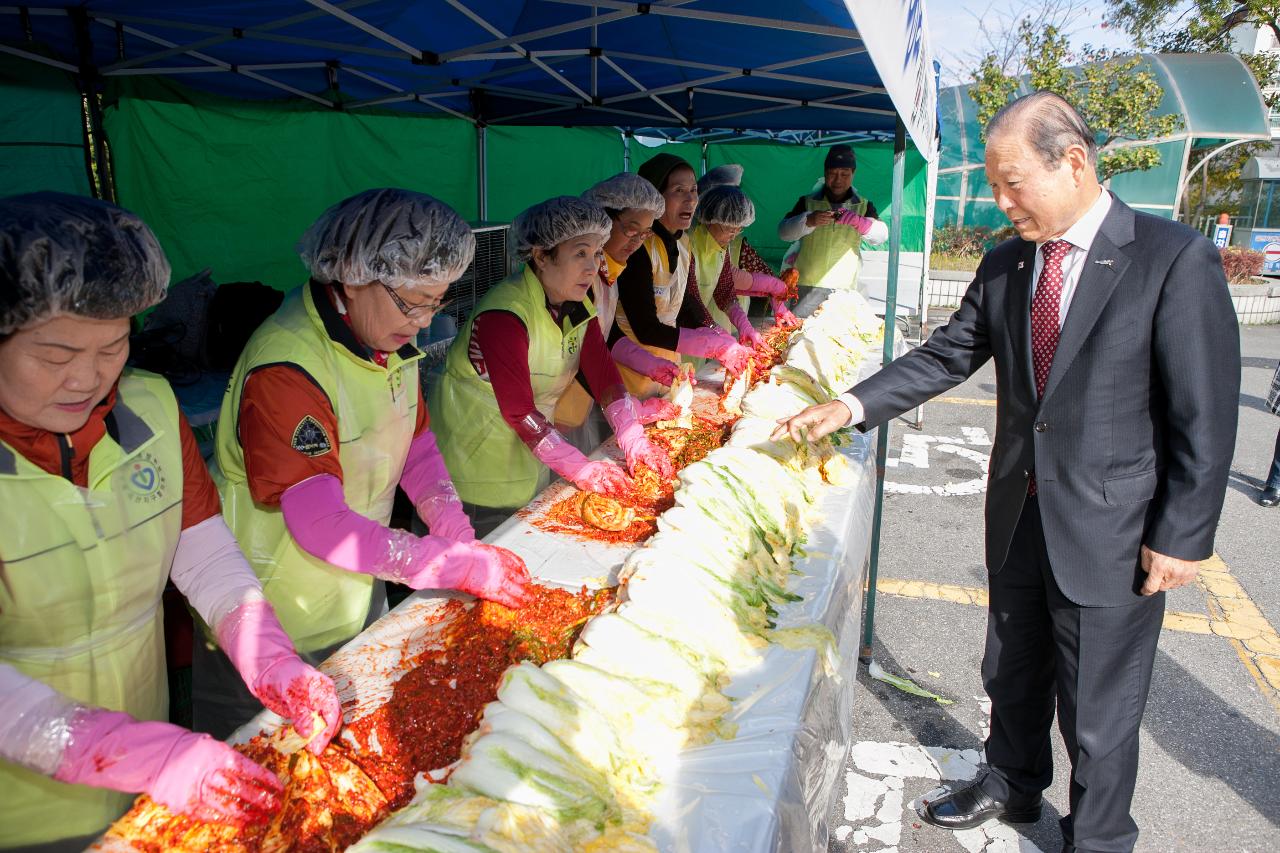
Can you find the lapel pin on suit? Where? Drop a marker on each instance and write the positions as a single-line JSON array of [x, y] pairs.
[[1021, 264], [1105, 262]]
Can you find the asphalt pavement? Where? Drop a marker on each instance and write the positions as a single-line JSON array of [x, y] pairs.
[[1209, 777]]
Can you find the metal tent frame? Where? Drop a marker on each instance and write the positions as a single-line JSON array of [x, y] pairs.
[[669, 68]]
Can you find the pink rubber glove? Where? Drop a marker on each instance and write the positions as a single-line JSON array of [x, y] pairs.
[[262, 653], [856, 221], [757, 284], [708, 342], [625, 420], [485, 571], [320, 522], [427, 482], [189, 773], [782, 315], [657, 409], [747, 334], [628, 353], [599, 476]]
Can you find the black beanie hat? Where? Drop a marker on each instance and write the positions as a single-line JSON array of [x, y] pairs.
[[656, 170], [840, 157]]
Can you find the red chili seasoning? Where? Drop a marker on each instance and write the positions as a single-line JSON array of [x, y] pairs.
[[332, 800]]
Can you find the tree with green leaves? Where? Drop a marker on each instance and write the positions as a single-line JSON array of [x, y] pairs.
[[1115, 93], [1203, 26]]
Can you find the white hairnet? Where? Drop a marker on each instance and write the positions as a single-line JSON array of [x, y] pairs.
[[627, 191], [64, 254], [397, 237], [726, 205], [554, 221], [730, 174]]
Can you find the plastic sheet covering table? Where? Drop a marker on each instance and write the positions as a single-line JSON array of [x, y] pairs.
[[767, 789]]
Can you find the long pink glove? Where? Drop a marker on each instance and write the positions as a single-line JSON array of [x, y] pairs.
[[262, 653], [189, 773], [427, 482], [782, 315], [319, 520], [856, 221], [590, 475], [747, 333], [630, 354], [757, 284], [625, 420], [708, 342], [656, 409]]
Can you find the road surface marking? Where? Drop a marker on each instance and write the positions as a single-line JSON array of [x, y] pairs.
[[1235, 616], [964, 401], [915, 454], [875, 807], [1174, 620]]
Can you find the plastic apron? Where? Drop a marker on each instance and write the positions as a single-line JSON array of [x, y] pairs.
[[831, 256], [489, 464], [318, 603], [84, 569], [575, 404], [710, 257], [668, 295]]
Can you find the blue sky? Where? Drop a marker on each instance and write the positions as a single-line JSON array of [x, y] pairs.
[[956, 35]]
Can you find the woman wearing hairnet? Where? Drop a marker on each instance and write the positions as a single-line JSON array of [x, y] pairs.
[[632, 204], [324, 418], [526, 340], [105, 499], [729, 270], [660, 306]]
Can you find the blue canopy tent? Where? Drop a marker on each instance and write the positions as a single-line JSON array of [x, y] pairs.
[[810, 72]]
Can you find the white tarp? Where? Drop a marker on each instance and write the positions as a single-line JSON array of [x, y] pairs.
[[896, 34]]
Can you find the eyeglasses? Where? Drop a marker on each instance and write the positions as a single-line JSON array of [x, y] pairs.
[[419, 311], [631, 232]]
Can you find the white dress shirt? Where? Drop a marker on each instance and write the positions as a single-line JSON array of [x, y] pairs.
[[1080, 236]]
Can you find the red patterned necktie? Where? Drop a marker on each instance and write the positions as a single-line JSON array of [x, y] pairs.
[[1045, 309]]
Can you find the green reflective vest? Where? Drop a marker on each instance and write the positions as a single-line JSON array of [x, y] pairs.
[[710, 257], [488, 462], [84, 569], [318, 603], [831, 256]]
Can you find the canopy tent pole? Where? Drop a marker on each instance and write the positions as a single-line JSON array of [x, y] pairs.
[[890, 326], [482, 171], [97, 164]]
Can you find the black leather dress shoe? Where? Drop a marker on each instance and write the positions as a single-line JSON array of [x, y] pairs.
[[970, 806], [1270, 496]]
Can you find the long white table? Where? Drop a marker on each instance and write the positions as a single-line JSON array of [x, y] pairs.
[[767, 789]]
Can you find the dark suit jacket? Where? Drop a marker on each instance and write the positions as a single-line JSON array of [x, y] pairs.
[[1132, 441]]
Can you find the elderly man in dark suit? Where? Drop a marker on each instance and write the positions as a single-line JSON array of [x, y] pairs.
[[1118, 368]]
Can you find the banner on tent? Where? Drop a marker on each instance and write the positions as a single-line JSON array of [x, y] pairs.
[[896, 33]]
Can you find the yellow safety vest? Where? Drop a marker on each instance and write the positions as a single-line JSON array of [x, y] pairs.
[[575, 403], [831, 255], [710, 257], [84, 570], [318, 603], [668, 295], [488, 462]]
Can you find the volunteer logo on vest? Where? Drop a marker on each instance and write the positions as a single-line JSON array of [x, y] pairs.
[[146, 482], [395, 382], [310, 439]]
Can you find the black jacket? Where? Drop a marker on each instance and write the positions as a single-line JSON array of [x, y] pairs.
[[1132, 441]]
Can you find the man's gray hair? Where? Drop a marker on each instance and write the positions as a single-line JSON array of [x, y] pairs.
[[1049, 124]]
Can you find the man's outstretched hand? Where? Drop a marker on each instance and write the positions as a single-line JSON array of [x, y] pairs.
[[814, 422]]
